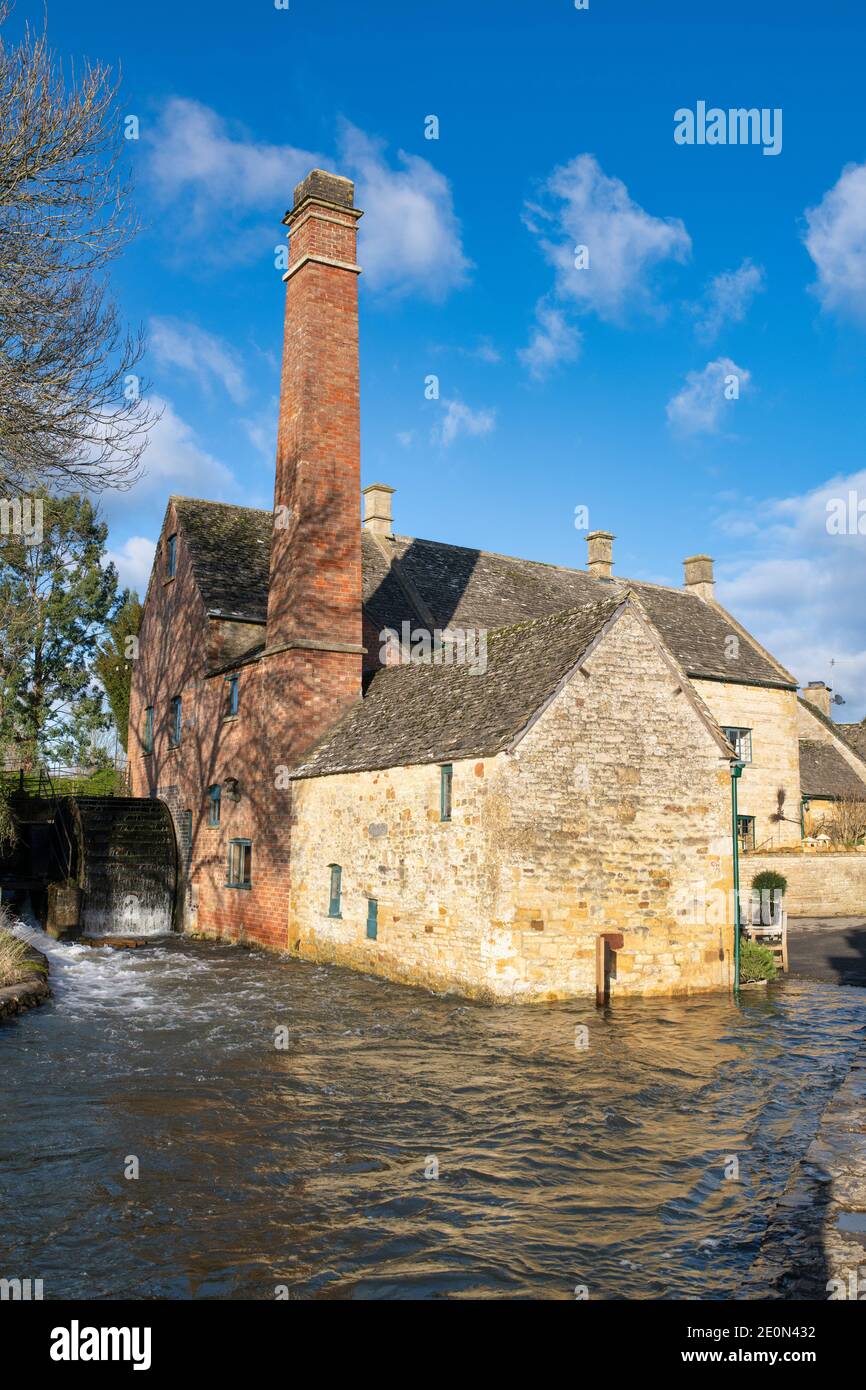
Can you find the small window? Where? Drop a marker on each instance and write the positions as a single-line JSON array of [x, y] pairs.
[[171, 557], [372, 919], [741, 742], [231, 696], [240, 864], [334, 899], [176, 721], [148, 729], [746, 833], [214, 804], [445, 780]]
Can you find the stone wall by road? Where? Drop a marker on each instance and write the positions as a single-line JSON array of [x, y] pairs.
[[821, 884]]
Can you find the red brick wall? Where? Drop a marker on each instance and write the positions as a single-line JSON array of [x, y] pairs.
[[315, 589], [291, 695]]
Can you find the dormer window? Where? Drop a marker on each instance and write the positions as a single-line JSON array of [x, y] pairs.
[[171, 557]]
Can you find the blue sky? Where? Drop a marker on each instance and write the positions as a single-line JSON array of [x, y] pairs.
[[602, 387]]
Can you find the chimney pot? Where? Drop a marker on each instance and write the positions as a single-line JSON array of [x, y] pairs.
[[600, 562], [818, 694], [698, 575], [377, 509]]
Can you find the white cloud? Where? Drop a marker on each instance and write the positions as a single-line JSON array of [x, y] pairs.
[[133, 562], [410, 237], [214, 176], [727, 299], [836, 241], [174, 461], [800, 589], [697, 407], [461, 419], [193, 156], [583, 206], [552, 341], [176, 343]]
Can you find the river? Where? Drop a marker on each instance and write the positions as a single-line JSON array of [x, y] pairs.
[[289, 1120]]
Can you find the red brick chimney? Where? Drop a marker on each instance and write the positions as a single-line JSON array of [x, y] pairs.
[[314, 597]]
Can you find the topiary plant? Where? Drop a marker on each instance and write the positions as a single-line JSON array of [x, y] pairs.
[[769, 879], [756, 962]]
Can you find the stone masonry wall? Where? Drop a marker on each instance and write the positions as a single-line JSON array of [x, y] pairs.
[[820, 884], [772, 715], [614, 808]]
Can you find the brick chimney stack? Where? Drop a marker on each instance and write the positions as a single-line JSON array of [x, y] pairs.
[[314, 596]]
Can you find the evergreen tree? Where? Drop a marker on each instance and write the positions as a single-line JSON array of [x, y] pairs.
[[116, 655], [56, 596]]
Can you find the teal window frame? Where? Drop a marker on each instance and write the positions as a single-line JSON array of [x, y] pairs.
[[335, 891], [171, 557], [741, 741], [148, 729], [176, 721], [239, 869], [746, 833], [372, 918], [215, 794], [232, 695], [446, 791]]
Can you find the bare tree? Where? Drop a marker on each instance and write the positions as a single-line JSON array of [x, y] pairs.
[[71, 413], [846, 824]]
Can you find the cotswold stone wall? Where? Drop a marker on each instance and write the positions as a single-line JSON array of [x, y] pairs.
[[819, 885], [772, 715], [614, 809]]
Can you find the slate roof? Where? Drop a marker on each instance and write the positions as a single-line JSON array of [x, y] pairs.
[[230, 551], [229, 547], [855, 736], [852, 735], [416, 713], [825, 773]]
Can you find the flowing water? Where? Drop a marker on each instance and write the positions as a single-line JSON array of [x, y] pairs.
[[309, 1167]]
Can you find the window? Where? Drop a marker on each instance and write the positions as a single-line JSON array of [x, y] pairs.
[[240, 864], [445, 779], [741, 741], [231, 696], [372, 919], [171, 557], [176, 721], [746, 833], [215, 799], [148, 729], [334, 905]]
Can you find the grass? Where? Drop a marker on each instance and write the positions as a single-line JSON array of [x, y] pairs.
[[16, 964]]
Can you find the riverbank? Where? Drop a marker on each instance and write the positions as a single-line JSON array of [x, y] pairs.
[[23, 975]]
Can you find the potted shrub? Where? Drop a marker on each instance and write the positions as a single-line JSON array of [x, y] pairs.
[[768, 890], [757, 963]]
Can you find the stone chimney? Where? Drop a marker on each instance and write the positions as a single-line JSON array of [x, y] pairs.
[[377, 509], [314, 595], [600, 562], [698, 575], [818, 694]]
